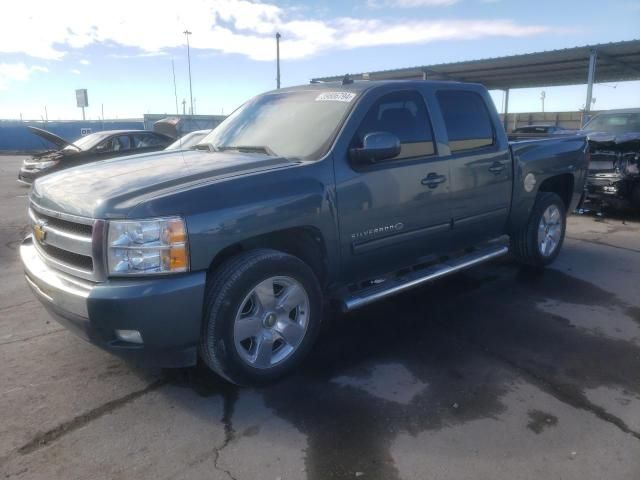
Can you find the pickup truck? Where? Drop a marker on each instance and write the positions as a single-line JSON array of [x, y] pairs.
[[324, 195]]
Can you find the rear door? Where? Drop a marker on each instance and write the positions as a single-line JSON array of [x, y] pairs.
[[480, 163], [392, 212]]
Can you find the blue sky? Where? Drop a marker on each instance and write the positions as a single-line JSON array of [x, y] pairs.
[[122, 51]]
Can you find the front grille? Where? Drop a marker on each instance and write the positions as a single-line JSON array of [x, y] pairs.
[[64, 241], [68, 258], [66, 225]]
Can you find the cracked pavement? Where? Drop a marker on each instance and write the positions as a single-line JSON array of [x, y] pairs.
[[495, 373]]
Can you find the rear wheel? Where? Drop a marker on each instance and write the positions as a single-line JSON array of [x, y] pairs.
[[539, 241], [262, 315]]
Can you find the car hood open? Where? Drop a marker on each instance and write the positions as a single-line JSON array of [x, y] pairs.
[[50, 137]]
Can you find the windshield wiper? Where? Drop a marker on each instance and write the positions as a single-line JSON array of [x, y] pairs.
[[249, 148]]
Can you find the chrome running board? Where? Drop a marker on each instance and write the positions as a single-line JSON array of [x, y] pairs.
[[417, 277]]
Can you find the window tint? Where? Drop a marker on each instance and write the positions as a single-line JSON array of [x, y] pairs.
[[405, 115], [467, 120], [116, 144], [146, 141]]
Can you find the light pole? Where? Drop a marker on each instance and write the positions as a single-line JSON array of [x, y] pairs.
[[543, 95], [278, 59], [186, 34]]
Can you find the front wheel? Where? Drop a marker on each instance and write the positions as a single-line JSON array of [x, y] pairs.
[[539, 241], [262, 314]]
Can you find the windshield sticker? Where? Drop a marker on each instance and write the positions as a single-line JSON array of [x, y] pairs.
[[335, 97]]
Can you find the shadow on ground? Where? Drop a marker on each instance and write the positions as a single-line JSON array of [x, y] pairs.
[[457, 347]]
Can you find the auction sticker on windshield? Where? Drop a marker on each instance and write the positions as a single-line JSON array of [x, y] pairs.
[[335, 97]]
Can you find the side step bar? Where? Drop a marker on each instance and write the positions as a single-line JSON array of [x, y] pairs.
[[416, 278]]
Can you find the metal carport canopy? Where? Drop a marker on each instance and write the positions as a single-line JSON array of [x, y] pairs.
[[619, 61]]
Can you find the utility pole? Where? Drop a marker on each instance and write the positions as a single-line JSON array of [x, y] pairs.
[[278, 59], [46, 115], [186, 34], [175, 91], [184, 106], [543, 95]]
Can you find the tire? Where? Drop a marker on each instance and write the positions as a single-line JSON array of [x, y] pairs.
[[526, 244], [238, 305]]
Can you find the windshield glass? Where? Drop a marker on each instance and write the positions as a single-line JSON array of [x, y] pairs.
[[87, 142], [188, 141], [299, 124], [614, 123]]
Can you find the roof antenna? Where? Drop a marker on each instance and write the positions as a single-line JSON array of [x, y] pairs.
[[347, 80]]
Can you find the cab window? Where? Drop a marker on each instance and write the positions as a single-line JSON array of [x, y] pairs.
[[405, 115], [467, 120]]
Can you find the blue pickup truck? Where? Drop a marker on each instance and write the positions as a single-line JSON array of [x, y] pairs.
[[326, 194]]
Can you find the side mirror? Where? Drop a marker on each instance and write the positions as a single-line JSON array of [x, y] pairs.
[[376, 147], [101, 148]]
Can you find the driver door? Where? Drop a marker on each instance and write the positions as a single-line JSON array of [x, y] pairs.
[[393, 212]]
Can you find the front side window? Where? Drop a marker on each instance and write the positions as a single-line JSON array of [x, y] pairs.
[[467, 120], [296, 124], [405, 115]]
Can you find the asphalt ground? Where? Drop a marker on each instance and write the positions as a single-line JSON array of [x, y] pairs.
[[495, 373]]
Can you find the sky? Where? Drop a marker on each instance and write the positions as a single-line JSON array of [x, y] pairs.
[[122, 51]]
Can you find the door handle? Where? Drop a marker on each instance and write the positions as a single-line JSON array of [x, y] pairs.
[[497, 167], [433, 180]]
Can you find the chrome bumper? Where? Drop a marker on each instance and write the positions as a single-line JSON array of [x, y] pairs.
[[65, 293]]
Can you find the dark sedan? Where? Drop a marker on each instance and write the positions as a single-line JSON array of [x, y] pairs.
[[90, 148]]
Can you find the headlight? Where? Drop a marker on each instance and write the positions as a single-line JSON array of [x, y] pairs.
[[42, 165], [141, 247]]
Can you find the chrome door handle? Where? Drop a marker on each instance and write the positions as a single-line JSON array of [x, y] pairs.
[[433, 180], [497, 167]]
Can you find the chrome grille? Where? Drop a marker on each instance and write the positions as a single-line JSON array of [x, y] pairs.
[[69, 243]]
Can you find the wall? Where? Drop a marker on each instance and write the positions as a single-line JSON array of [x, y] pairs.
[[568, 120], [14, 136]]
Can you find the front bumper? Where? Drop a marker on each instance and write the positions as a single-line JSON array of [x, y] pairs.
[[167, 311]]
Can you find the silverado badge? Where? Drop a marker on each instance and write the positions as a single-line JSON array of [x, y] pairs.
[[39, 232]]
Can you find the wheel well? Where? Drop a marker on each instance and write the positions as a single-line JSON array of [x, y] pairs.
[[306, 243], [560, 184]]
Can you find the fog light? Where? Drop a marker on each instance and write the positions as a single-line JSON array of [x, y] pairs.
[[131, 336]]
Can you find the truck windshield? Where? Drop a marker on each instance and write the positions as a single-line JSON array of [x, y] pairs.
[[614, 123], [300, 124]]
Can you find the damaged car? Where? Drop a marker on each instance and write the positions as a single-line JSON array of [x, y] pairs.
[[614, 171], [90, 148]]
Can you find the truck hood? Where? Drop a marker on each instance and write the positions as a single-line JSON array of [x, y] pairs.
[[50, 137], [110, 188]]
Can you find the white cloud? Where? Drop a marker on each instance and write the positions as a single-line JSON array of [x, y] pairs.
[[84, 61], [409, 3], [17, 72], [75, 71], [241, 27]]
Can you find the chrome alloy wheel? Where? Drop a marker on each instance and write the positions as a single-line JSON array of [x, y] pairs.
[[549, 230], [271, 322]]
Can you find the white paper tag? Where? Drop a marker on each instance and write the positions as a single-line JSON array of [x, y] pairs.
[[335, 97]]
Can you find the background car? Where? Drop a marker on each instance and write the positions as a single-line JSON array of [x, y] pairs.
[[189, 140], [90, 148], [546, 129]]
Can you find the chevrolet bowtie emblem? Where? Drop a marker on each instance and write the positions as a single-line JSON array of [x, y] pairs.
[[39, 232]]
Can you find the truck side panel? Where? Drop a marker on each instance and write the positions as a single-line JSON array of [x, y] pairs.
[[537, 161]]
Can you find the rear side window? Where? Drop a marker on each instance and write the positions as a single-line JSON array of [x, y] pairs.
[[146, 141], [467, 120], [405, 115]]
